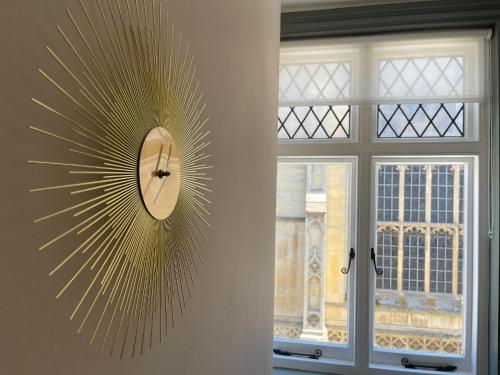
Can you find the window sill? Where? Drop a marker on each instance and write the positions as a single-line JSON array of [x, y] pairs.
[[304, 366], [312, 365]]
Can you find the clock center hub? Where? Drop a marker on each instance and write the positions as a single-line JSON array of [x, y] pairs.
[[159, 173]]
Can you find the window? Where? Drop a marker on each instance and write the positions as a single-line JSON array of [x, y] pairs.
[[428, 277], [414, 193], [387, 251], [442, 195], [314, 82], [441, 272], [442, 120], [413, 261], [421, 76], [388, 182], [314, 122], [314, 226], [380, 143]]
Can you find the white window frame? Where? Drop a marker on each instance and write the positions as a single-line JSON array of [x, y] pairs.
[[365, 149], [340, 352], [367, 364], [387, 358]]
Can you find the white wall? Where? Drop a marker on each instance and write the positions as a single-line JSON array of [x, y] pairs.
[[228, 326]]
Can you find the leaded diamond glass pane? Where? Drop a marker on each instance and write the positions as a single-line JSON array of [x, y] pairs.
[[421, 77], [314, 122], [432, 120], [308, 82]]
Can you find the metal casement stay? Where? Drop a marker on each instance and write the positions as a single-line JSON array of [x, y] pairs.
[[316, 355], [405, 362]]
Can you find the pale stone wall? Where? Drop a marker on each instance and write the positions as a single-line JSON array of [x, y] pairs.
[[290, 245], [289, 275], [337, 245]]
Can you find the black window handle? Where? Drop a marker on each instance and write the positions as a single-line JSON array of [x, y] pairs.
[[405, 362], [378, 271], [352, 255]]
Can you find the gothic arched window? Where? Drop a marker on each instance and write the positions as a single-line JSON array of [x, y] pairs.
[[441, 270], [415, 193], [387, 254], [413, 261], [388, 193]]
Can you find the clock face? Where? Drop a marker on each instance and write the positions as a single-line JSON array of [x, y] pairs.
[[159, 173]]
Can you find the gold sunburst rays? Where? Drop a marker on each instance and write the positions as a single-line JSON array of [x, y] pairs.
[[129, 73]]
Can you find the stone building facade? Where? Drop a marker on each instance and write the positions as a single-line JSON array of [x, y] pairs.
[[418, 299]]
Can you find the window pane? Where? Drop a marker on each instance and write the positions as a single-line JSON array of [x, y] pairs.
[[314, 122], [442, 194], [387, 250], [413, 260], [312, 82], [414, 198], [312, 245], [421, 77], [418, 299], [388, 198], [442, 262], [433, 120]]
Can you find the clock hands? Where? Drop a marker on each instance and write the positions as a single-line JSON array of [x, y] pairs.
[[158, 161], [155, 171], [164, 173]]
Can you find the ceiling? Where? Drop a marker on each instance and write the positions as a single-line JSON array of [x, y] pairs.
[[299, 5]]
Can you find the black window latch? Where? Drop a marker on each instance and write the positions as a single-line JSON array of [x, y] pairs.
[[405, 362], [317, 354], [378, 270], [352, 255]]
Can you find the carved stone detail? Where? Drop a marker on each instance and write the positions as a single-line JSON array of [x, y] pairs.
[[313, 324]]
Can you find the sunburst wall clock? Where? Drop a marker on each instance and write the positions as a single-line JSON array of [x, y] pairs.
[[136, 117]]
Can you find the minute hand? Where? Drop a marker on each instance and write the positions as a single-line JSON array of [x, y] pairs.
[[158, 160], [155, 172], [166, 173]]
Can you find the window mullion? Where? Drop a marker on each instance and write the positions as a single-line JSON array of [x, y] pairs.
[[362, 311]]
